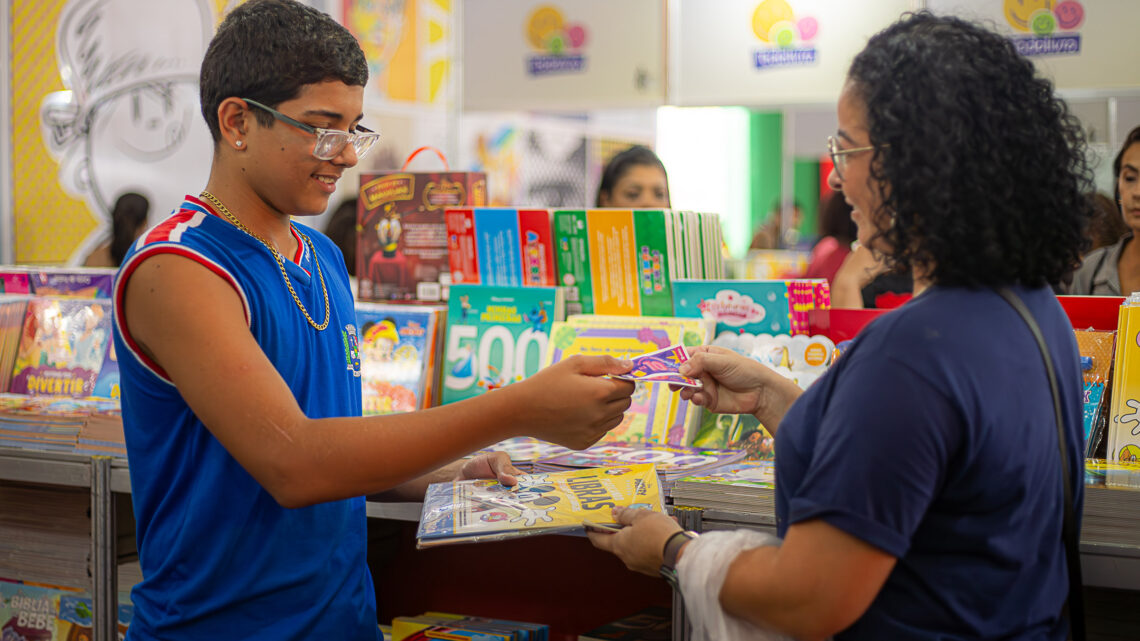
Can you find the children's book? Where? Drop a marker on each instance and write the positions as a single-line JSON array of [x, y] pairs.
[[526, 631], [654, 623], [441, 625], [672, 461], [735, 431], [1124, 422], [524, 450], [1096, 350], [62, 348], [496, 336], [736, 306], [657, 413], [760, 474], [13, 310], [15, 280], [484, 510], [107, 383], [498, 246], [72, 282], [622, 261], [401, 251], [397, 356]]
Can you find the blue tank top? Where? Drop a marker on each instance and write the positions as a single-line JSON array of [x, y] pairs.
[[221, 559]]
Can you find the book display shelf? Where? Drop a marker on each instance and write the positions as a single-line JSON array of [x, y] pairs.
[[560, 579]]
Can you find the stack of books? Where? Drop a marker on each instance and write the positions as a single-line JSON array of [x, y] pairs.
[[442, 625], [102, 434], [45, 533], [1112, 503], [622, 261], [744, 486], [673, 462], [509, 247], [524, 451], [654, 623], [48, 423]]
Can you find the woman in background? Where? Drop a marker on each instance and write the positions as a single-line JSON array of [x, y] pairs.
[[1115, 270], [128, 220], [634, 179], [836, 233]]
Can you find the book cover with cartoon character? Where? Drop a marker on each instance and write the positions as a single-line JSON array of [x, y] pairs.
[[496, 336], [396, 356], [735, 431], [543, 503], [672, 461], [657, 414], [62, 347]]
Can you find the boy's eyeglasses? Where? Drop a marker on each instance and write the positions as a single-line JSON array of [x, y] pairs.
[[839, 156], [330, 142]]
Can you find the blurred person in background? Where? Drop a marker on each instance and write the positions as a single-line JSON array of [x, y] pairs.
[[1115, 270], [128, 220], [836, 233], [634, 179]]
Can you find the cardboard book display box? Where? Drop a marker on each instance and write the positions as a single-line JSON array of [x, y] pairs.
[[401, 251]]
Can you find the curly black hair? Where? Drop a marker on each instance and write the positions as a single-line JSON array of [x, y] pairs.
[[979, 163], [267, 50]]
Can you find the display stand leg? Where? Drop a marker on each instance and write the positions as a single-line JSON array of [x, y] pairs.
[[689, 518], [104, 579]]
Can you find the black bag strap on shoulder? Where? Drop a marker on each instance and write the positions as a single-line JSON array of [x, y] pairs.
[[1076, 603]]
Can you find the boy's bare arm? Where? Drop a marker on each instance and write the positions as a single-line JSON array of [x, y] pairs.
[[192, 324]]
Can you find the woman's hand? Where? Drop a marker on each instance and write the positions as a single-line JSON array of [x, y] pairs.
[[639, 545], [735, 384]]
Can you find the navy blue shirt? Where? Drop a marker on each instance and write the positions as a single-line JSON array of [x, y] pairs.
[[933, 438]]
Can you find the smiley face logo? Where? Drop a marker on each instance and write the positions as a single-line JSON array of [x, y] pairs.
[[1019, 13], [769, 15], [1070, 14]]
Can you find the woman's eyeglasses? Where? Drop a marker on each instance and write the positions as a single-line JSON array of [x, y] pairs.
[[839, 156]]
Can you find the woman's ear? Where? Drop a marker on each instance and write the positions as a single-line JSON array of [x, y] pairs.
[[603, 199]]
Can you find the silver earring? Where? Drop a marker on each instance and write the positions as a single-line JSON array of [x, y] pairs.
[[238, 143]]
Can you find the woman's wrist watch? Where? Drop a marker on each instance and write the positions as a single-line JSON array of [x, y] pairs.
[[671, 551]]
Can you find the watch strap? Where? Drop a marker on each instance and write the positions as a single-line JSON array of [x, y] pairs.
[[671, 551]]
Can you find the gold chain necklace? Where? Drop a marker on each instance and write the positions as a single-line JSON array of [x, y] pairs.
[[280, 261]]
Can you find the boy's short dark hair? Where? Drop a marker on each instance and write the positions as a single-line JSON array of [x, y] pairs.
[[268, 49]]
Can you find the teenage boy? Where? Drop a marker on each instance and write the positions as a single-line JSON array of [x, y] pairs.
[[241, 389]]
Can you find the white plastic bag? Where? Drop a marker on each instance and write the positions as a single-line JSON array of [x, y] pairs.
[[701, 573]]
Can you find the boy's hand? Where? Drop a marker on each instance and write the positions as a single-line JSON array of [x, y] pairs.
[[573, 403], [492, 465]]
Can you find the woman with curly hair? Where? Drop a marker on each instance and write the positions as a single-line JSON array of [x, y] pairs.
[[919, 490], [1115, 270]]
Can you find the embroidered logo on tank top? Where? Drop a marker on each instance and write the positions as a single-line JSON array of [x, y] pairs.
[[351, 349]]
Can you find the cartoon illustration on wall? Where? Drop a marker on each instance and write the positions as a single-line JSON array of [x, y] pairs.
[[129, 119]]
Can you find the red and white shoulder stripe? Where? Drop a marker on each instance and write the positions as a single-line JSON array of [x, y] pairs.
[[165, 238]]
